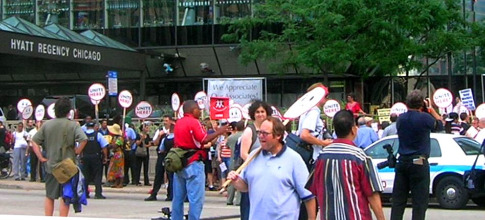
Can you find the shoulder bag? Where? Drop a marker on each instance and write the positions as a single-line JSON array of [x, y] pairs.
[[66, 169]]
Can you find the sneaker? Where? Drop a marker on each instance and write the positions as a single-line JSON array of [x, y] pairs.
[[151, 198], [99, 197]]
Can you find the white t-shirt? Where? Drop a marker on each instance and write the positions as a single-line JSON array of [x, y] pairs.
[[311, 121], [480, 136], [20, 141]]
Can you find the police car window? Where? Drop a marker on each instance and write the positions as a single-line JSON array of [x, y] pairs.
[[377, 151], [435, 148], [468, 145]]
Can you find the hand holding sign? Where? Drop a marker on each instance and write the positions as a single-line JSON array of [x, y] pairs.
[[125, 99]]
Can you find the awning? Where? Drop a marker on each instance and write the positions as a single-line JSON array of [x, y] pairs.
[[57, 43]]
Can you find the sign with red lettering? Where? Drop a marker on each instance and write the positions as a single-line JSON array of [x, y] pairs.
[[219, 108], [27, 113], [331, 107], [50, 110], [143, 109], [175, 102], [22, 104], [201, 99], [96, 91], [39, 112], [125, 99], [442, 98], [180, 112], [399, 108], [235, 113]]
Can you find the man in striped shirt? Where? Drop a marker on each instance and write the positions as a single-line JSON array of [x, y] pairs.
[[345, 182]]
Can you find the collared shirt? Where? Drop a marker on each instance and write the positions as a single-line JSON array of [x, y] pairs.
[[190, 133], [276, 184], [413, 129], [131, 135], [344, 177], [101, 140], [365, 137], [390, 130]]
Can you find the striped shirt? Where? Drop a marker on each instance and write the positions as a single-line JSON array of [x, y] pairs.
[[225, 150], [343, 179]]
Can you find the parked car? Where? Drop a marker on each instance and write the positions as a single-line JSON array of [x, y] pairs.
[[450, 157]]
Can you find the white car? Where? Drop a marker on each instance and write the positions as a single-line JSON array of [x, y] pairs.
[[450, 157]]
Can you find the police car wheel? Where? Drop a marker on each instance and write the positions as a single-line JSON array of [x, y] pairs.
[[480, 201], [450, 193]]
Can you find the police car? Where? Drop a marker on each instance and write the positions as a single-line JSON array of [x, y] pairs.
[[450, 157]]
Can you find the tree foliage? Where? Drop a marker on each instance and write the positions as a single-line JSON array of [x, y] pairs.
[[359, 37]]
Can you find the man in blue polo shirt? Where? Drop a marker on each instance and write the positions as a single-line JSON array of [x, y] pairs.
[[276, 178]]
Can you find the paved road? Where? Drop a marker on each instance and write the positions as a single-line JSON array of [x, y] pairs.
[[27, 199]]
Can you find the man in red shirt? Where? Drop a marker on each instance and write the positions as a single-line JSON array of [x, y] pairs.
[[190, 181]]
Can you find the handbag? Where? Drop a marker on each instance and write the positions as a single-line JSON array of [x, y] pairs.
[[304, 149], [66, 169], [141, 151]]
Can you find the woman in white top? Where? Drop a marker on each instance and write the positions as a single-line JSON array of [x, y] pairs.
[[19, 149]]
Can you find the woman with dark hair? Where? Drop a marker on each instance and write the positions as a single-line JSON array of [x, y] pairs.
[[353, 105], [258, 111]]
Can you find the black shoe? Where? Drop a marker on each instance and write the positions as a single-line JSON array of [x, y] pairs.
[[212, 188], [125, 184], [229, 203], [151, 198], [99, 197], [148, 184], [17, 179], [31, 180], [168, 199], [22, 179]]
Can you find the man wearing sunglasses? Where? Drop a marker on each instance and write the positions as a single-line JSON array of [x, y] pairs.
[[276, 178]]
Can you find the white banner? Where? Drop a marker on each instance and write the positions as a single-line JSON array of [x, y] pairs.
[[242, 91]]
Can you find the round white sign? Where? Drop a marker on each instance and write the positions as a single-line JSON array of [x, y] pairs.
[[125, 99], [398, 108], [27, 113], [39, 112], [50, 110], [442, 98], [480, 111], [175, 102], [70, 115], [235, 114], [95, 102], [331, 107], [180, 112], [22, 104], [305, 103], [276, 113], [201, 99], [245, 111], [143, 109], [96, 91]]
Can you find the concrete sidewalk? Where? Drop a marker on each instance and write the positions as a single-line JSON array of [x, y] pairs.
[[10, 183]]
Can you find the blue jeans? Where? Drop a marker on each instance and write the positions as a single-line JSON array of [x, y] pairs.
[[227, 161], [19, 163], [189, 182]]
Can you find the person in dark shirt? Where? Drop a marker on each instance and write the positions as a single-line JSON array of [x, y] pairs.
[[412, 168], [12, 113], [464, 122]]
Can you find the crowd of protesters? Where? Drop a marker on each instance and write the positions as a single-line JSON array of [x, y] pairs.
[[274, 185]]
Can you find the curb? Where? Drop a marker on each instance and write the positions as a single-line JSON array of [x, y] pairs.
[[9, 183]]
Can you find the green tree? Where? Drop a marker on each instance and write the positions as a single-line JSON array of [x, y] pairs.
[[359, 37]]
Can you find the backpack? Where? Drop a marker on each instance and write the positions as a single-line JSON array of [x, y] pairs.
[[176, 159], [8, 140]]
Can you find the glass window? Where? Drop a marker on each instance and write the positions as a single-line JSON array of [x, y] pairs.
[[195, 12], [228, 10], [378, 152], [435, 148], [158, 13], [468, 145], [55, 12], [122, 13], [88, 14], [20, 8]]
